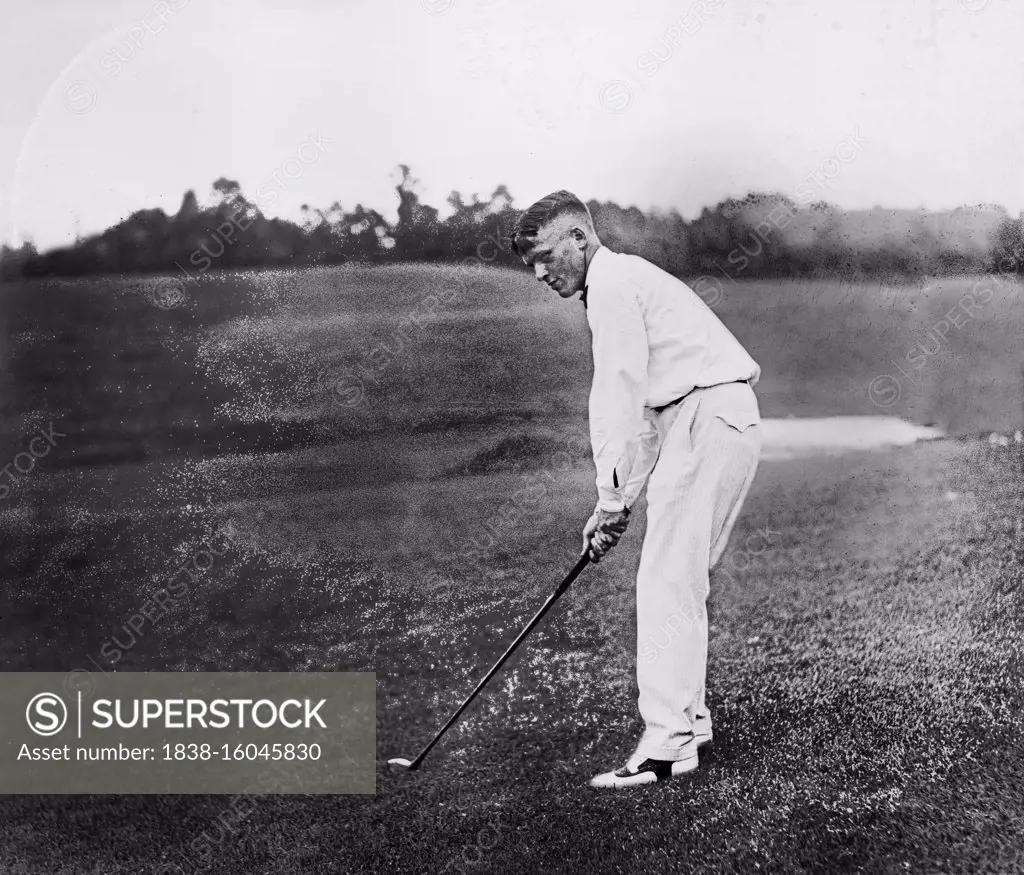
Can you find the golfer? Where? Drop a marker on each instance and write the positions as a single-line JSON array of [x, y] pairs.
[[672, 407]]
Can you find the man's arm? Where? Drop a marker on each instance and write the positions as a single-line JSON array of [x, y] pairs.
[[619, 390]]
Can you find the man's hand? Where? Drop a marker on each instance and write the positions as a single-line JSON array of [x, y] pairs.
[[602, 532]]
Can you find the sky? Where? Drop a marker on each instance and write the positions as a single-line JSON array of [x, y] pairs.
[[111, 106]]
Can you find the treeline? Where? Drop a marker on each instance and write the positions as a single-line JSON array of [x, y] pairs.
[[762, 235]]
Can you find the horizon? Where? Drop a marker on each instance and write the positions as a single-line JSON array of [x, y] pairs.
[[445, 212]]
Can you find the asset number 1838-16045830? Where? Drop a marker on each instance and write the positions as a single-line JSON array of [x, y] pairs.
[[251, 751]]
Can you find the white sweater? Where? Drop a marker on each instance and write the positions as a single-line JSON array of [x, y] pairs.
[[654, 340]]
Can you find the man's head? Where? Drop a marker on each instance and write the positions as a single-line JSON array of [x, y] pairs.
[[556, 238]]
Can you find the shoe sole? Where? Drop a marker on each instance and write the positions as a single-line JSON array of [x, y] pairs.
[[703, 740], [611, 781]]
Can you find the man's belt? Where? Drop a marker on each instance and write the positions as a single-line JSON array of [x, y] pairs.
[[694, 389]]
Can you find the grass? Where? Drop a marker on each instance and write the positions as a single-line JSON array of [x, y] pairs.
[[866, 620]]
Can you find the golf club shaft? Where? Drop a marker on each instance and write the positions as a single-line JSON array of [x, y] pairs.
[[582, 563]]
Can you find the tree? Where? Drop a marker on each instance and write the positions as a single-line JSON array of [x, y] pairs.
[[1007, 254]]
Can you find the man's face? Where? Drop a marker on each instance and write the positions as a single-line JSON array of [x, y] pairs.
[[556, 255]]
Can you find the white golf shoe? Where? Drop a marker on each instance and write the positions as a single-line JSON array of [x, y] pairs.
[[643, 770]]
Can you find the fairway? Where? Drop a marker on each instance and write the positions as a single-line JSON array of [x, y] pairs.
[[417, 348], [865, 651]]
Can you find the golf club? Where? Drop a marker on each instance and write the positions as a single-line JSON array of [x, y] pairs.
[[582, 563]]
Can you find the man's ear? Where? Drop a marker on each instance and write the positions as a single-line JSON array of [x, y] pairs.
[[579, 237]]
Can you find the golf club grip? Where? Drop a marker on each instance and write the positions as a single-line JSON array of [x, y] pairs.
[[581, 563]]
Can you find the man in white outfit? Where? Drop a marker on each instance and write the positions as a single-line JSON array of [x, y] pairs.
[[672, 407]]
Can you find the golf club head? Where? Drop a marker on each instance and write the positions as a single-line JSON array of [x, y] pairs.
[[403, 763]]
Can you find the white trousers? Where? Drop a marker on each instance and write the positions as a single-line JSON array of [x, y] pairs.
[[702, 454]]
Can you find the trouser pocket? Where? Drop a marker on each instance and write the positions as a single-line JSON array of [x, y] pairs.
[[739, 423], [734, 403]]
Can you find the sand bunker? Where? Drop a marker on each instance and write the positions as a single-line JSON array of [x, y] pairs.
[[793, 438]]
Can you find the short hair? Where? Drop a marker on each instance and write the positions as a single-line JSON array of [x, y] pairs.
[[547, 209]]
